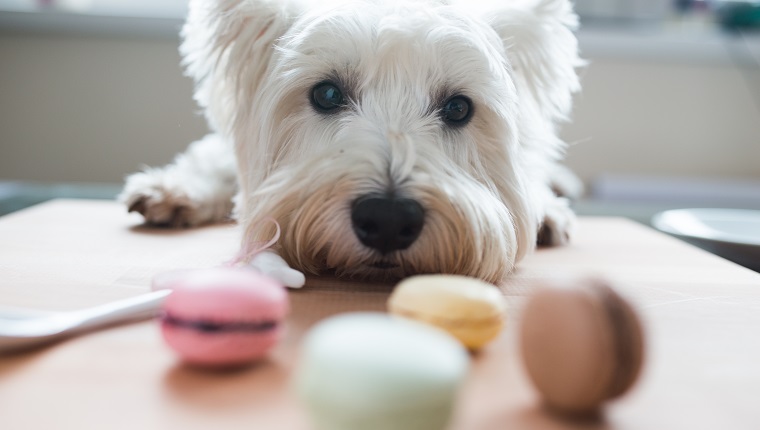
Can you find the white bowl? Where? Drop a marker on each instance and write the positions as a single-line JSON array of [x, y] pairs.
[[733, 234]]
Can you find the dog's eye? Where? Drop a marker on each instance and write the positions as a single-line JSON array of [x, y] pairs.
[[326, 97], [457, 110]]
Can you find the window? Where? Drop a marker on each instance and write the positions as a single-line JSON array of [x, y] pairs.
[[138, 8]]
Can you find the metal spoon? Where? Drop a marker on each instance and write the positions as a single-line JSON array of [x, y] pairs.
[[17, 332]]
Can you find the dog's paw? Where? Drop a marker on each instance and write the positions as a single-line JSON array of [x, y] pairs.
[[148, 194], [559, 224], [271, 264]]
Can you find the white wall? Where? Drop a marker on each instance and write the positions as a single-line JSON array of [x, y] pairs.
[[77, 107], [643, 118], [81, 108]]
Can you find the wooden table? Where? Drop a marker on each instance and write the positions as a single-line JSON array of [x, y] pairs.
[[702, 317]]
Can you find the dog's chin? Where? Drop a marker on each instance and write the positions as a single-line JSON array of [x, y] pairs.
[[377, 269]]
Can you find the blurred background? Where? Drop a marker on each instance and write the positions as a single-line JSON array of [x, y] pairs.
[[91, 90]]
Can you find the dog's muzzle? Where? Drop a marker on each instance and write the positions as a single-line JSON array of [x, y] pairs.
[[386, 223]]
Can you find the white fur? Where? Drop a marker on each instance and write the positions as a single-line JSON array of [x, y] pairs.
[[485, 187], [195, 189]]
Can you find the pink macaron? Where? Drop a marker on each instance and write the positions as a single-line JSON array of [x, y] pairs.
[[222, 316]]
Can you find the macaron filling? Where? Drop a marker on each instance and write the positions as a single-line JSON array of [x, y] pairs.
[[208, 326]]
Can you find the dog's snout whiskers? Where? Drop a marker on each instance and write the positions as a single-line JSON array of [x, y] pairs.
[[383, 264]]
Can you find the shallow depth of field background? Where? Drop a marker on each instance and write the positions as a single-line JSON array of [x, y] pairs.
[[91, 90]]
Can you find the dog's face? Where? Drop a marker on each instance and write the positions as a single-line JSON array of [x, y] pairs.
[[385, 138]]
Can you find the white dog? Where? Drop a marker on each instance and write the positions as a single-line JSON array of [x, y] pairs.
[[385, 138]]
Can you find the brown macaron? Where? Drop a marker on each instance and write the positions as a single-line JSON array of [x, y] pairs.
[[582, 345]]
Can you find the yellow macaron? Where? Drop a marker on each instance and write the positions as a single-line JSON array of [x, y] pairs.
[[471, 310]]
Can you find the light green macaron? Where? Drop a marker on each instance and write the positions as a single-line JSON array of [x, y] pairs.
[[371, 371]]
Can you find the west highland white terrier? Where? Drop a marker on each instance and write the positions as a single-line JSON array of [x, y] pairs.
[[381, 138]]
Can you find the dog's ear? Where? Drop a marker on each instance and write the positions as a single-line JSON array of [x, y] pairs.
[[226, 49], [543, 51]]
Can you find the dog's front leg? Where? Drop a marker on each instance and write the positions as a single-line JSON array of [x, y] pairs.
[[271, 264], [197, 188], [559, 223]]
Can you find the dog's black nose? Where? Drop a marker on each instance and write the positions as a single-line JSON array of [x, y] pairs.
[[387, 223]]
